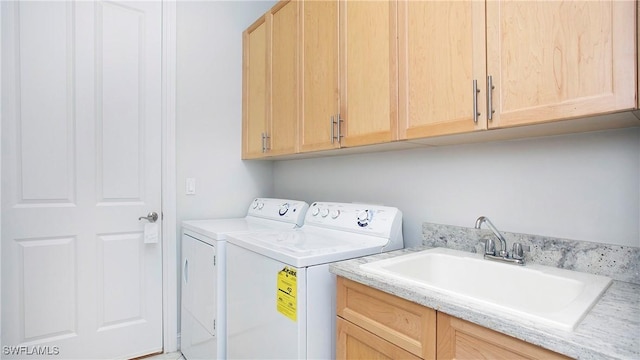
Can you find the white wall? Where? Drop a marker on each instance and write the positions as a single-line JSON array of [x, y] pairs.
[[581, 186], [209, 115]]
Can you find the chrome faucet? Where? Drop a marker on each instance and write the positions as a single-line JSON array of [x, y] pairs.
[[503, 242], [517, 256]]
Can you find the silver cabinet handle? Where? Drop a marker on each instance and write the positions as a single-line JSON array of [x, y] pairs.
[[264, 142], [490, 88], [332, 129], [475, 101], [151, 217], [338, 121]]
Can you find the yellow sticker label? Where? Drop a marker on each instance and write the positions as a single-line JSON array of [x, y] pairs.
[[287, 292]]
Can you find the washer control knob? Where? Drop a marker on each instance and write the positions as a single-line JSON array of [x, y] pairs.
[[324, 212], [315, 211], [364, 217], [255, 204], [260, 205], [335, 214], [283, 209]]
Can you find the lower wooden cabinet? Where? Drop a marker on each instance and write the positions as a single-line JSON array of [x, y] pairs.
[[460, 339], [388, 319], [372, 324], [356, 343]]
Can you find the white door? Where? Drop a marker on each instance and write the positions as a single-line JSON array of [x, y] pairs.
[[81, 116]]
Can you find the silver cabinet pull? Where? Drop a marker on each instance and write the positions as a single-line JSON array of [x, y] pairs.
[[332, 129], [151, 217], [335, 123], [490, 88], [475, 101], [338, 121]]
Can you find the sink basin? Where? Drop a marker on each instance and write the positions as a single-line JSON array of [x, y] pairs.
[[542, 294]]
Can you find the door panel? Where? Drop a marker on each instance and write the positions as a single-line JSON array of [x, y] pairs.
[[120, 101], [81, 112], [44, 103], [47, 271], [119, 279]]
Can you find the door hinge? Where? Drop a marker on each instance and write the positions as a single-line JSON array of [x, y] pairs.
[[214, 260], [214, 324]]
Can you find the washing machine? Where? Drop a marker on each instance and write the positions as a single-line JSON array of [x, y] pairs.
[[281, 297], [203, 309]]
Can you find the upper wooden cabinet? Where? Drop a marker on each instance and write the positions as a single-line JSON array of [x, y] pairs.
[[327, 74], [349, 74], [544, 61], [560, 59], [369, 80], [319, 44], [441, 53], [254, 83], [270, 102]]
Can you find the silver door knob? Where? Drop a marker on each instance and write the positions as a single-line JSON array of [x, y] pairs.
[[151, 217]]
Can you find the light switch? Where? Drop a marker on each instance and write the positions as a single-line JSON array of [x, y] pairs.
[[190, 186]]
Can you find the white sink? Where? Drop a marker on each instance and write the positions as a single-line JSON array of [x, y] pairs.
[[543, 294]]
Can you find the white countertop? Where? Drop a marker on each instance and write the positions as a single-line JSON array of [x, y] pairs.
[[611, 329]]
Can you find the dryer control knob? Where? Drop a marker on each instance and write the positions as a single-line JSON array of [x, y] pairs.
[[335, 214], [283, 209], [255, 204], [260, 206], [324, 212], [315, 211], [364, 217]]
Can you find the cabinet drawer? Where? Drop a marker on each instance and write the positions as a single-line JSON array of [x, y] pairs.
[[401, 322]]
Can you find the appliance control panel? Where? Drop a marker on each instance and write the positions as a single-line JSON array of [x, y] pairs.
[[291, 211], [360, 218]]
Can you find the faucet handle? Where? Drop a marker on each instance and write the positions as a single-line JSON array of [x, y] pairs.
[[518, 251], [490, 247]]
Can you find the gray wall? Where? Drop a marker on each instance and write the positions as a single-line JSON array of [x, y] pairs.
[[581, 186]]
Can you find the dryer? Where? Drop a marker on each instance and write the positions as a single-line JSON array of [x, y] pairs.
[[281, 296], [203, 306]]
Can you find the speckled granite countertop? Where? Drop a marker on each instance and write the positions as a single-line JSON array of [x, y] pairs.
[[611, 330]]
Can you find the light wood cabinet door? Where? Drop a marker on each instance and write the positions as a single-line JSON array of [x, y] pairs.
[[283, 94], [319, 74], [368, 90], [553, 60], [356, 343], [254, 99], [407, 325], [441, 52], [460, 339]]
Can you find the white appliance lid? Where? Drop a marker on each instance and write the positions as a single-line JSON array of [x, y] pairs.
[[218, 229], [308, 246]]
